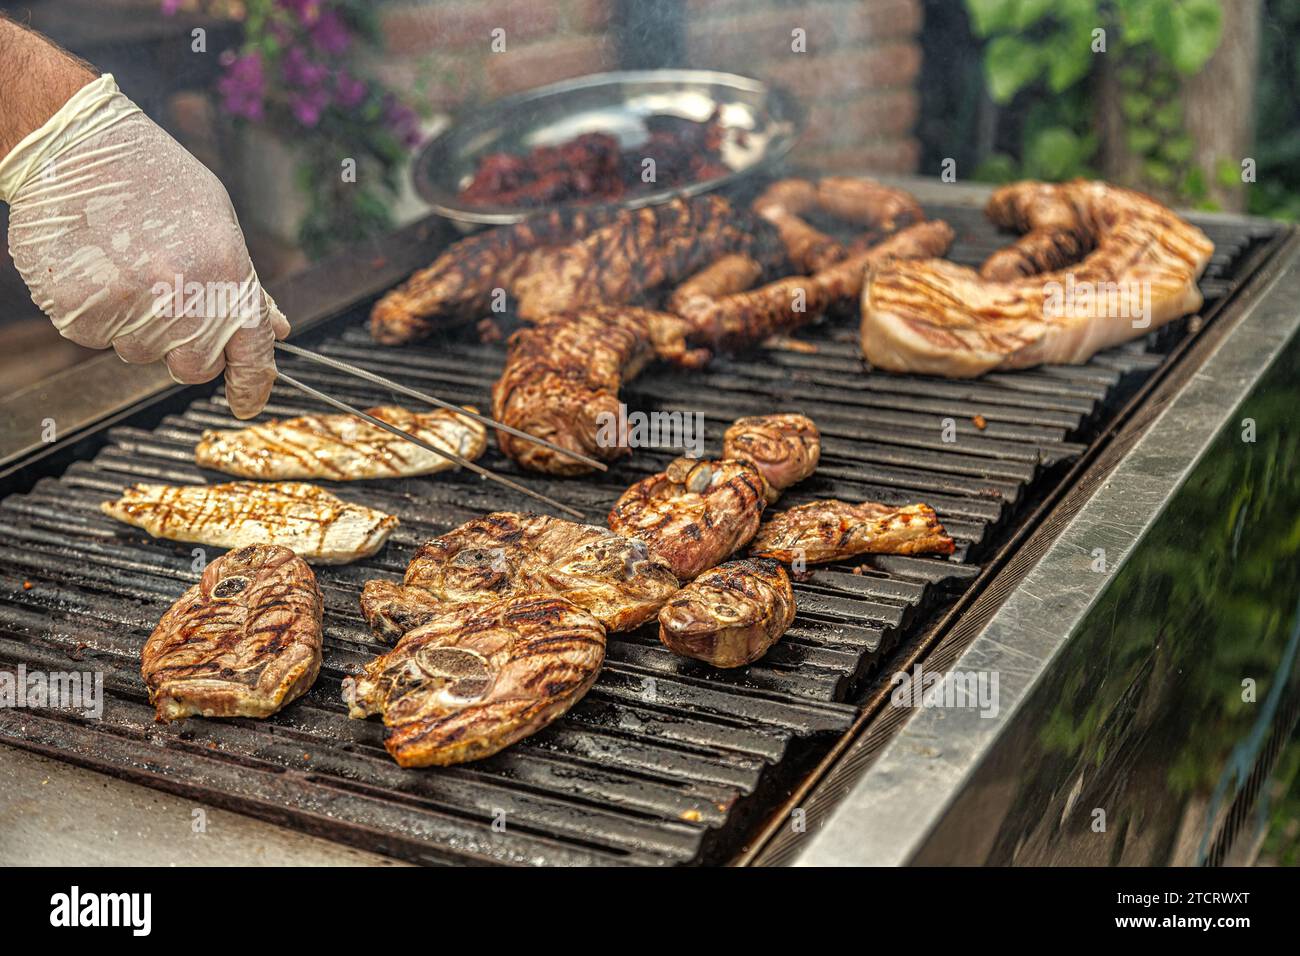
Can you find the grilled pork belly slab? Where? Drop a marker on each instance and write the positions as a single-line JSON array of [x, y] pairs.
[[342, 447], [477, 677], [785, 448], [730, 615], [306, 519], [243, 642], [695, 514], [938, 318], [831, 530], [614, 578]]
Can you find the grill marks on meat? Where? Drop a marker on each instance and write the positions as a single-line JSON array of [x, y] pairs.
[[505, 554], [563, 375], [304, 518], [743, 318], [695, 514], [939, 318], [860, 201], [730, 615], [784, 448], [243, 642], [640, 251], [475, 678], [458, 285], [731, 273], [342, 447], [831, 530]]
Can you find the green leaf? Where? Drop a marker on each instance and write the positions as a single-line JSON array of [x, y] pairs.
[[997, 168], [991, 16], [1161, 174], [1134, 106], [1142, 141], [1029, 12], [1178, 149], [1187, 33], [1010, 64], [1169, 117], [1055, 153]]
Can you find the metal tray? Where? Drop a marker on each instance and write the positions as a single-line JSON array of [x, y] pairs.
[[614, 103]]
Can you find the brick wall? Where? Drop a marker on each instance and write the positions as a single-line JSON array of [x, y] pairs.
[[855, 77]]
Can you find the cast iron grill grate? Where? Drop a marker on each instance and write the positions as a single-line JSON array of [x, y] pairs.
[[666, 761]]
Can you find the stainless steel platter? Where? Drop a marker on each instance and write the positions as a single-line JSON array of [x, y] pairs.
[[614, 103]]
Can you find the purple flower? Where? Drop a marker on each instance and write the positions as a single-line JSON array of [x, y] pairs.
[[308, 106], [243, 86], [171, 6], [330, 33], [300, 71], [348, 90], [402, 121]]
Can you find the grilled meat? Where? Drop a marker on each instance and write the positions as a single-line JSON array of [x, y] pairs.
[[393, 609], [477, 677], [695, 514], [562, 378], [502, 554], [730, 615], [458, 286], [342, 447], [822, 531], [642, 250], [304, 518], [728, 274], [784, 448], [938, 318], [863, 202], [743, 318], [243, 642]]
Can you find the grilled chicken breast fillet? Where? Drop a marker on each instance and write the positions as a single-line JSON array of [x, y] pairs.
[[342, 447], [831, 530], [243, 642], [478, 677], [935, 317], [729, 615], [784, 448], [695, 514], [503, 554], [306, 519]]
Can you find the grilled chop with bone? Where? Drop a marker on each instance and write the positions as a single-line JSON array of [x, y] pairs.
[[935, 317], [477, 677], [695, 514], [614, 578], [243, 642]]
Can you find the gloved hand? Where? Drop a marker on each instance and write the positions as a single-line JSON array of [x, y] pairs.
[[125, 239]]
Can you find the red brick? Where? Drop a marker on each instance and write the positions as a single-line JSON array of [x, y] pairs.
[[536, 64], [885, 156], [889, 65], [590, 16], [736, 41], [862, 117], [466, 24]]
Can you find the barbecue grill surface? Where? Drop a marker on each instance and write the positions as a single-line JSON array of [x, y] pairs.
[[667, 760]]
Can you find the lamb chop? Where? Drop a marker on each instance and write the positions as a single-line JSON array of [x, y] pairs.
[[477, 677], [938, 318], [304, 518], [342, 447], [729, 615], [506, 554], [695, 514], [785, 448], [831, 530], [243, 642]]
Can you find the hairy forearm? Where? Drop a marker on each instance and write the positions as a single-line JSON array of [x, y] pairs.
[[36, 78]]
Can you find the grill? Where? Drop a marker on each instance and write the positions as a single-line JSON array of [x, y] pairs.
[[666, 761]]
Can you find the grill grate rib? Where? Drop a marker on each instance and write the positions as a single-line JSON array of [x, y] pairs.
[[666, 761]]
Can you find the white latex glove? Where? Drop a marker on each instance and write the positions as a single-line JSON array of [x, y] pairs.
[[109, 218]]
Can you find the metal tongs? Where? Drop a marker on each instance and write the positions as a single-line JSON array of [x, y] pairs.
[[431, 400]]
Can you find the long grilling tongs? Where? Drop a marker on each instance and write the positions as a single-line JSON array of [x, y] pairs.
[[432, 400]]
